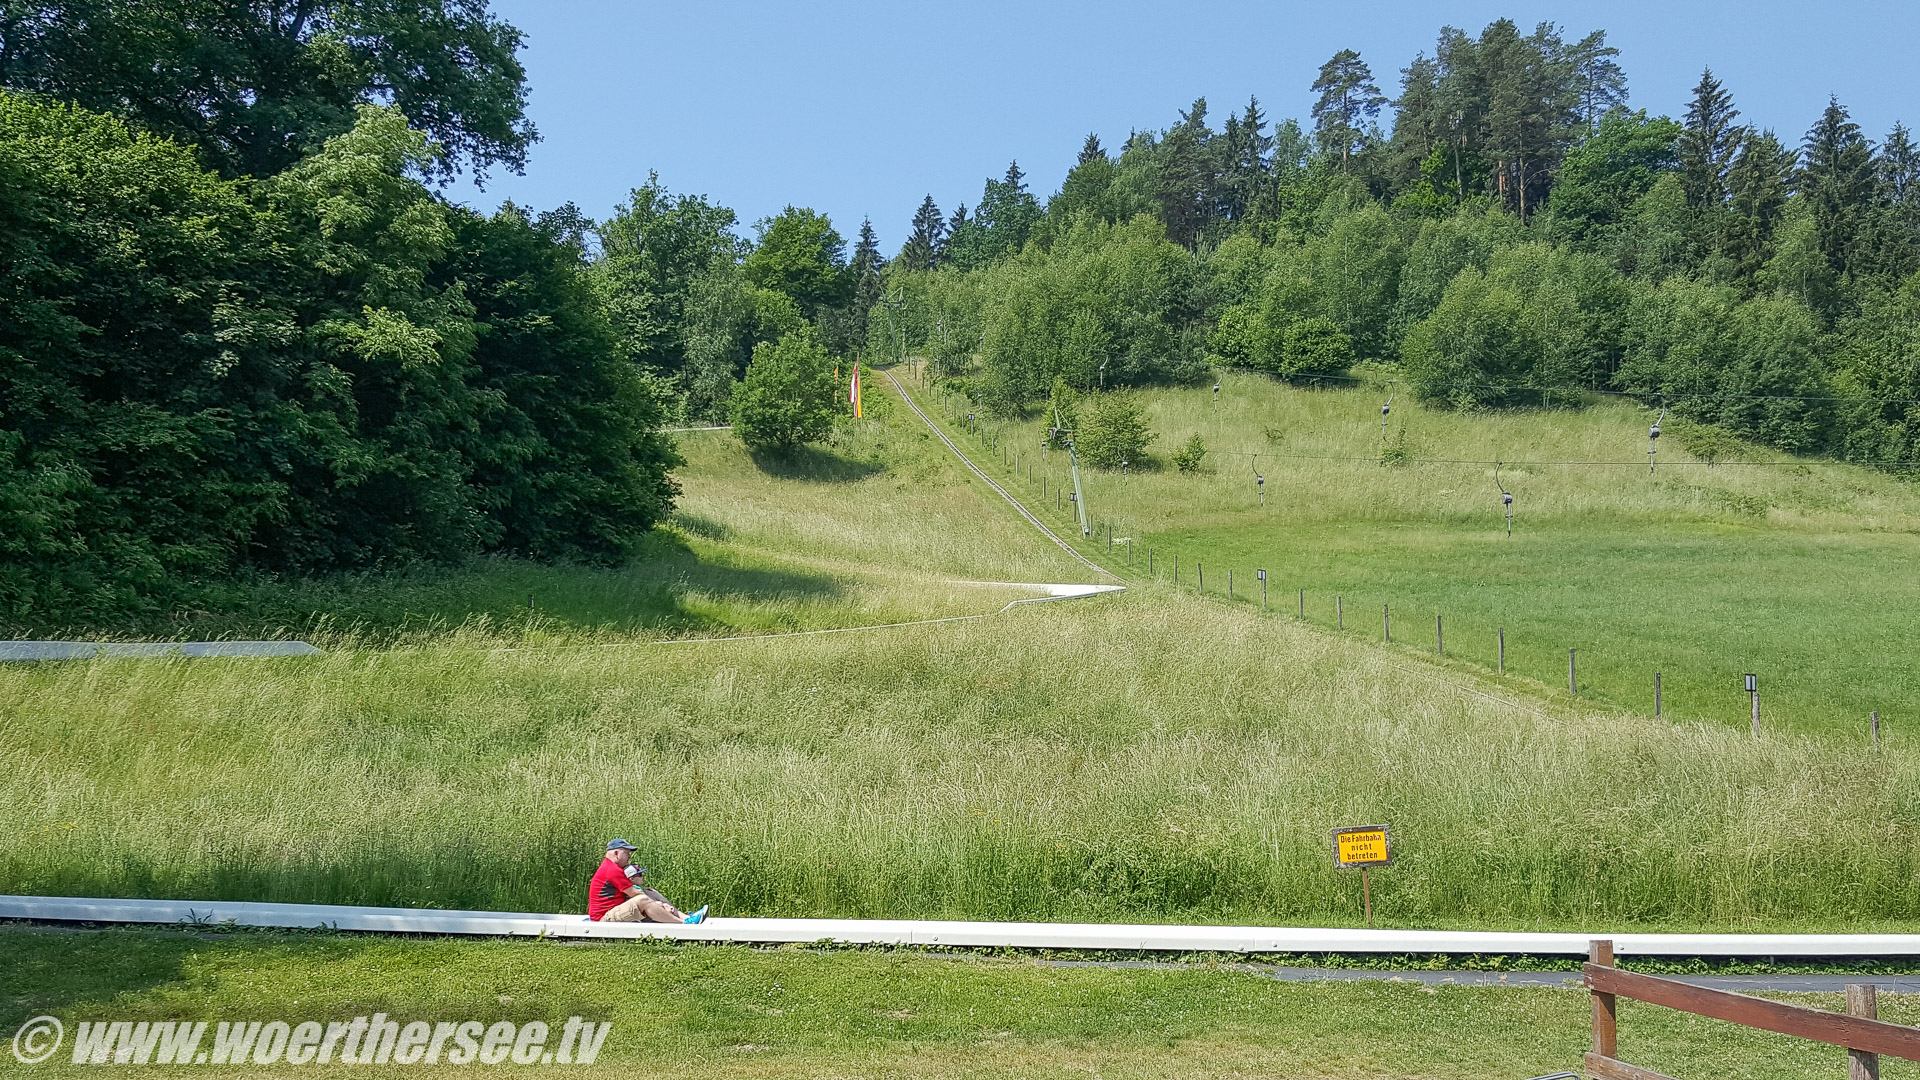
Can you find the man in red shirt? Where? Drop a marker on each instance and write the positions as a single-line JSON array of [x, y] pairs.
[[618, 893]]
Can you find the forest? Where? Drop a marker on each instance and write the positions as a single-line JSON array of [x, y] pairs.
[[1505, 231], [245, 335]]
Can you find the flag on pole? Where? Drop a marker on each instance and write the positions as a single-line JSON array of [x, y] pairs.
[[853, 392]]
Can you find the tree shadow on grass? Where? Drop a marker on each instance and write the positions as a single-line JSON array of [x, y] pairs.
[[814, 464], [668, 586]]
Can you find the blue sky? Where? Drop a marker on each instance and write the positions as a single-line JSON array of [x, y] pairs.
[[859, 109]]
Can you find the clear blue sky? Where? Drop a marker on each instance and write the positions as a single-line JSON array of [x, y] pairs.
[[859, 109]]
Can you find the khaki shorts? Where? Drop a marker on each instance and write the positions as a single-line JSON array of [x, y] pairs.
[[648, 906]]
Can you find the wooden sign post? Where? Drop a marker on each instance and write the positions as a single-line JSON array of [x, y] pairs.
[[1364, 846]]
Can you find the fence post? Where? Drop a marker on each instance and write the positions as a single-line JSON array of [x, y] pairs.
[[1573, 682], [1656, 696], [1875, 724], [1229, 582], [1339, 613], [1386, 623], [1863, 1001], [1606, 1015], [1503, 650], [1200, 576], [1439, 637]]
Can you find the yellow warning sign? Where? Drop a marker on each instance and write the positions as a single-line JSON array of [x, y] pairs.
[[1362, 845]]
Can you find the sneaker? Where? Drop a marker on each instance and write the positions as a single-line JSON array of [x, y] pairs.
[[698, 916]]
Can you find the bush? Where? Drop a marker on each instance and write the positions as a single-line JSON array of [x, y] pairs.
[[1314, 347], [1115, 433], [1189, 457], [787, 397]]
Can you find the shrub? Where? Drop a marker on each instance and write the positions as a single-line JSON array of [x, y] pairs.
[[1115, 433], [1189, 457], [787, 397], [1314, 347]]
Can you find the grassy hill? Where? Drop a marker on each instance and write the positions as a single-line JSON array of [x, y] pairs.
[[1149, 756], [1798, 571]]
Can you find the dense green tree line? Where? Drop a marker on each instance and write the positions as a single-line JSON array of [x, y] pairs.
[[239, 336], [1503, 230], [329, 368]]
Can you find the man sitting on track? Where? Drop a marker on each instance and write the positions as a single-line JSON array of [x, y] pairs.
[[619, 893]]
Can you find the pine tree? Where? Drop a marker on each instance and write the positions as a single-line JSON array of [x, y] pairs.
[[964, 242], [1187, 177], [1348, 98], [1419, 124], [928, 239], [1091, 150], [1603, 85], [868, 285], [1838, 182], [1244, 165], [1708, 143], [1896, 234], [1757, 188], [1002, 221]]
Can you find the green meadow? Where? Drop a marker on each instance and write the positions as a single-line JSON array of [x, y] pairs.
[[707, 1011], [1149, 756], [1796, 570]]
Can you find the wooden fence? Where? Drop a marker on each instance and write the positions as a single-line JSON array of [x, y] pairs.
[[1864, 1037]]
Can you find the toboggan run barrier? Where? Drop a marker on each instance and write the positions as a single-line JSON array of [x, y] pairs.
[[1144, 937]]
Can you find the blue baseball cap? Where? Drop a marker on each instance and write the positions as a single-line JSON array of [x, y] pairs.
[[620, 845]]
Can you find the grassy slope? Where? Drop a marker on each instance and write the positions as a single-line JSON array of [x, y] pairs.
[[1142, 757], [731, 1012], [874, 528], [1801, 573]]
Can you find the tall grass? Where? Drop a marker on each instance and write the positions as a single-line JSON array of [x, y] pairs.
[[1797, 571], [1144, 758]]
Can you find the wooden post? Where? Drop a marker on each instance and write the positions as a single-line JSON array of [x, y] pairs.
[[1755, 696], [1229, 582], [1263, 590], [1366, 897], [1656, 696], [1303, 603], [1875, 725], [1863, 1001], [1503, 650], [1573, 682], [1339, 613], [1439, 637], [1606, 1009], [1200, 575], [1386, 623]]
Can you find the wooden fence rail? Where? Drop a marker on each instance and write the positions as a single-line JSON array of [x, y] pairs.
[[1864, 1037]]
